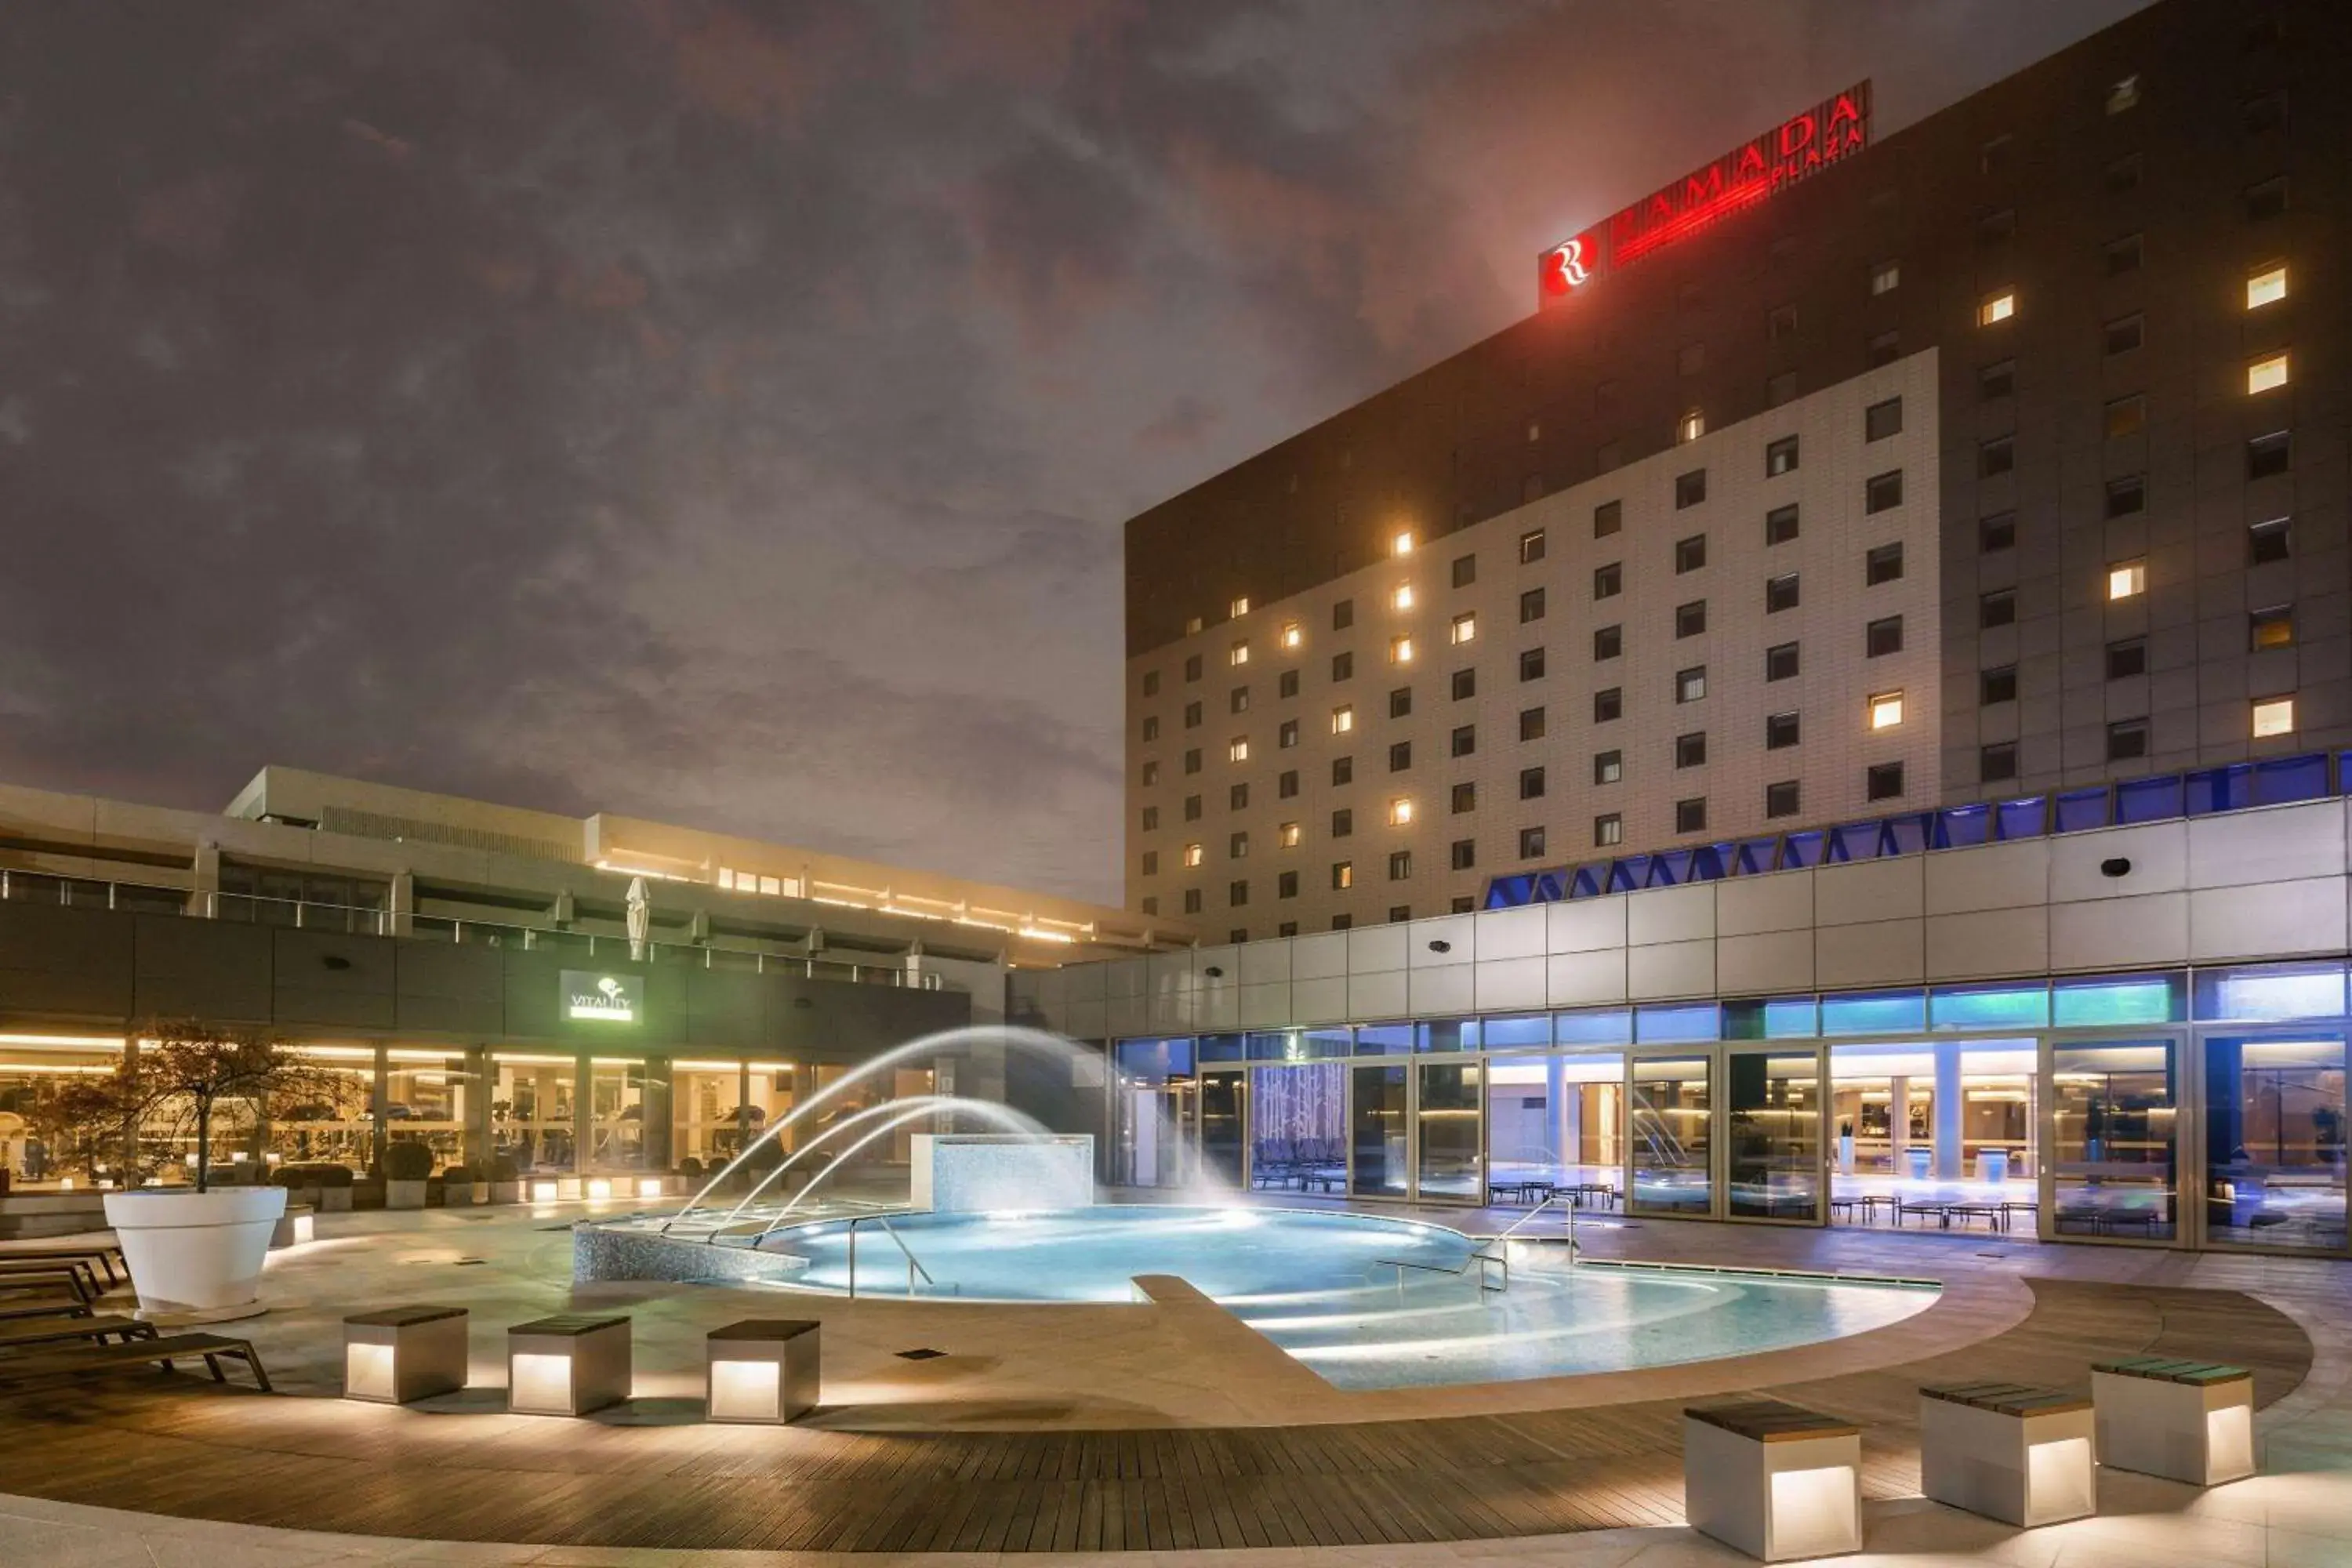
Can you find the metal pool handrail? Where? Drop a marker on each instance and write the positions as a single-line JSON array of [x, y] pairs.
[[914, 1265], [1478, 1256]]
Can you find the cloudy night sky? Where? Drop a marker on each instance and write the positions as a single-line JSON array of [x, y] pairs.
[[724, 413]]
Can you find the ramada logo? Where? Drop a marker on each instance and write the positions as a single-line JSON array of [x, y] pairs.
[[1564, 267]]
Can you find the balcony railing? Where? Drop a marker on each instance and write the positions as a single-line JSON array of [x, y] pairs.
[[302, 914], [2276, 781]]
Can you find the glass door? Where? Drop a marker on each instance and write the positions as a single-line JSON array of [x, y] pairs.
[[1297, 1143], [2114, 1165], [1223, 1120], [1774, 1135], [1154, 1106], [2274, 1169], [1673, 1146], [1376, 1131], [1450, 1118]]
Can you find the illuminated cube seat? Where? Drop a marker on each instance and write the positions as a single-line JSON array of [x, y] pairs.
[[402, 1353], [568, 1364], [762, 1370], [1773, 1480], [2186, 1420], [2009, 1452]]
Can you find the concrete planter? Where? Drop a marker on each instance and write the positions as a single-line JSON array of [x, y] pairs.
[[195, 1252], [506, 1192], [334, 1200], [457, 1194], [481, 1192], [404, 1195]]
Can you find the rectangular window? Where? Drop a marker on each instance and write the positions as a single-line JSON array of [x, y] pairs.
[[1343, 875], [1401, 702], [1343, 720], [1287, 685], [1150, 819], [1780, 458], [1886, 348], [2273, 627], [1287, 735], [1882, 565], [1997, 228], [1690, 685], [1608, 767], [1997, 533], [1463, 854], [1884, 781], [1193, 665], [1885, 277], [2265, 373], [1401, 812], [1192, 759], [1238, 701], [1288, 835], [1400, 597], [1608, 642], [1151, 862], [1465, 797], [1531, 784], [1608, 831], [2124, 255], [1690, 426], [2269, 541], [1608, 518], [1690, 489], [1998, 608], [1532, 664], [1286, 786], [1608, 705], [1343, 615], [1781, 662], [1781, 323], [1285, 886], [1531, 842], [1781, 389], [1343, 822], [1881, 420], [2123, 334], [1191, 901], [1152, 728], [1531, 547], [2273, 716], [1532, 605], [1996, 155], [1464, 741], [2126, 659], [1151, 773], [1780, 593], [1464, 684], [1781, 799], [1780, 525], [1238, 798], [1236, 846], [1151, 683], [1690, 619], [2127, 740], [1995, 456], [1466, 571], [1192, 855], [1997, 307], [1343, 667], [2267, 455], [2266, 201], [2127, 416], [2123, 95], [1192, 715], [1690, 815], [1690, 750], [1690, 554], [1294, 636], [1782, 730], [2266, 285], [1997, 764], [1883, 493], [1997, 685], [1401, 648], [2127, 497], [1883, 636], [1609, 581], [1996, 380], [1884, 710], [2122, 177], [2126, 579], [1399, 756], [1343, 771], [1531, 724]]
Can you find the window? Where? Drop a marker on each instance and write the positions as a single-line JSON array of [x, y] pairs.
[[1780, 593], [1192, 715], [1781, 389], [1608, 518], [1607, 455], [1689, 427], [2127, 416], [1399, 756], [2260, 116], [1883, 781], [1343, 875], [1881, 420], [1608, 767], [1151, 683], [2127, 740], [2126, 579], [1998, 763], [2268, 542], [1608, 831], [1191, 808], [1191, 901], [1343, 667], [2268, 455], [1465, 797], [1997, 533], [1401, 812], [2266, 201], [2123, 95], [1151, 862], [1466, 571], [1343, 719], [2266, 372], [1152, 728], [1343, 822], [1609, 581], [2127, 496], [1996, 380], [2266, 285], [2126, 659], [1401, 702], [1191, 855], [1998, 307], [1781, 799], [1192, 666], [1151, 772], [1531, 547], [1886, 710], [1465, 740], [1781, 662], [1996, 155], [1780, 525], [1690, 619], [1401, 597], [1608, 705], [1995, 456], [1883, 493], [1690, 489], [1780, 458], [1288, 684], [1401, 648], [1690, 815], [2124, 255], [1690, 685], [2123, 334], [1288, 835], [1532, 605], [2122, 177], [1464, 684], [1997, 228], [1782, 730], [1532, 664], [1237, 701], [2273, 716], [1608, 642], [1885, 348], [1462, 855], [1690, 359], [1781, 323], [1690, 750], [1294, 636], [1402, 544], [1531, 724], [1998, 608], [1883, 564], [1285, 886], [1531, 842], [1690, 554], [1286, 786], [1885, 277], [1192, 759], [1150, 819], [1531, 784], [1883, 636], [2273, 627], [1238, 798], [1237, 846], [1342, 922], [1343, 771], [1997, 685], [1287, 735]]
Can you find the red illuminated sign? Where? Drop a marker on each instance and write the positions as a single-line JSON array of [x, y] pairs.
[[1836, 128]]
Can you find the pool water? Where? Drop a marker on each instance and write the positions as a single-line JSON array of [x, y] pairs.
[[1325, 1286]]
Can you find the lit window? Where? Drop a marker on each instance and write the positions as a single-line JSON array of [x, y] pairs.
[[1342, 719], [1400, 650], [1241, 606], [1289, 836], [1402, 598], [2273, 716], [2123, 95], [1402, 544], [1690, 426], [1885, 277], [2126, 578], [1343, 874], [1237, 749], [1193, 623], [1239, 654], [1886, 710], [1191, 854], [1292, 636], [2267, 286], [1998, 307], [726, 879], [1466, 626], [2273, 627], [2266, 372], [1400, 812]]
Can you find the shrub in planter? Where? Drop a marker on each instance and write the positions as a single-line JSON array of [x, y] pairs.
[[505, 1181], [407, 1166], [457, 1186]]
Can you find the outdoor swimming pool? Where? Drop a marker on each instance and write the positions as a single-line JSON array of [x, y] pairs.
[[1327, 1287]]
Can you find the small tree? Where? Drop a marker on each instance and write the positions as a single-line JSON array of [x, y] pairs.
[[188, 1073]]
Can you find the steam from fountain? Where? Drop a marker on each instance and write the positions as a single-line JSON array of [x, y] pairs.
[[914, 1107]]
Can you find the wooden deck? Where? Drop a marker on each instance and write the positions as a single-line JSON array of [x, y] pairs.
[[656, 1477]]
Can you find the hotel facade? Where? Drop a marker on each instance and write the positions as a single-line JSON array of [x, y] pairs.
[[1835, 717]]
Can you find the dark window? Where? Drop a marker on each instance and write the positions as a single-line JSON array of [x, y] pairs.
[[2263, 35], [1608, 518], [1781, 799], [1690, 619], [2123, 334], [1285, 885], [1690, 815], [1997, 764], [1997, 532], [1464, 684], [1150, 819], [1191, 901], [1997, 685], [1531, 784], [1342, 922], [1883, 564], [1995, 457], [1690, 685], [1780, 525], [1531, 724], [1399, 756], [1532, 664], [1238, 702], [1781, 389], [1996, 380], [2127, 416], [1464, 854], [1608, 767], [2122, 177], [2127, 740], [1608, 705], [1238, 846], [1288, 685], [1531, 842], [1883, 636], [2126, 659], [1608, 642], [1343, 823], [1881, 420], [1465, 740], [1401, 702], [1883, 493], [1996, 155], [1465, 797], [1400, 870], [1609, 581], [1343, 770], [1343, 615], [1151, 862], [1690, 489], [2128, 495], [1532, 605], [1192, 715], [1192, 666], [2268, 455], [1885, 348], [1690, 554], [1997, 228], [1287, 785], [1191, 808], [1884, 781], [1238, 798], [1782, 730], [1780, 323], [1690, 750], [1400, 913], [1781, 662], [1343, 666], [2267, 200], [1780, 593], [1531, 547], [1151, 683], [1151, 727], [2124, 255], [2268, 542], [1780, 458], [1466, 571], [1192, 760], [1997, 609]]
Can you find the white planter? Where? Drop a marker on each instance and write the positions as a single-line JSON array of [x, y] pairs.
[[481, 1192], [195, 1252], [404, 1195], [457, 1194], [506, 1192]]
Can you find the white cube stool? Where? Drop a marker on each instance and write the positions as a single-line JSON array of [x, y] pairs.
[[2009, 1452], [567, 1365], [1773, 1480], [2185, 1420], [760, 1369], [403, 1352]]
